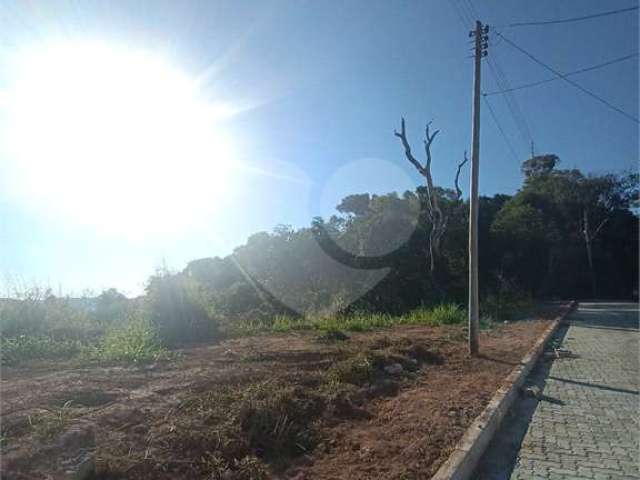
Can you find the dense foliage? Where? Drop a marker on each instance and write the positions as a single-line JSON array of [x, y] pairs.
[[564, 234], [534, 244]]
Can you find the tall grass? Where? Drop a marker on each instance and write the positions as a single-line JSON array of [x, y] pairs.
[[15, 350], [38, 325], [445, 314], [134, 341]]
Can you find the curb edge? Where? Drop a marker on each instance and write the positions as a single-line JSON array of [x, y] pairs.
[[469, 449]]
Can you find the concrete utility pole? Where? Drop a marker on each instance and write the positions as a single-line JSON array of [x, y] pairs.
[[481, 45]]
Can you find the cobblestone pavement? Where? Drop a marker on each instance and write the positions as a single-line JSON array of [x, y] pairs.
[[586, 425]]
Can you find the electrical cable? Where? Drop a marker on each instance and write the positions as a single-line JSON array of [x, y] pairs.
[[574, 19], [570, 82], [574, 72]]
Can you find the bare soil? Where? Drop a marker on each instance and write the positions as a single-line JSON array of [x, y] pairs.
[[190, 417]]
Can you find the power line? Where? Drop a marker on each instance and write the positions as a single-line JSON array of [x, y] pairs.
[[519, 119], [466, 11], [504, 135], [570, 82], [575, 72], [462, 15], [574, 19], [472, 9]]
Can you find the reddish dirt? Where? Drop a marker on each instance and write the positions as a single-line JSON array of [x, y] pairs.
[[128, 413], [411, 435]]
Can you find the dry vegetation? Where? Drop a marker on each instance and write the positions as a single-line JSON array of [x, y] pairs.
[[389, 403]]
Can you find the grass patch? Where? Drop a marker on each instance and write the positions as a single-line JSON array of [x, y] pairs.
[[445, 314], [135, 341], [276, 420], [51, 422], [22, 348], [355, 371], [448, 314], [332, 335]]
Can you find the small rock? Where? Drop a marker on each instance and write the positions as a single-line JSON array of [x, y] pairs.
[[393, 369], [563, 353], [533, 392]]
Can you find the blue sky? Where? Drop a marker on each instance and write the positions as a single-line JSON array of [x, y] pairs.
[[320, 87]]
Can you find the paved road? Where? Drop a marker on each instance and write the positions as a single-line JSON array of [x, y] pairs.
[[587, 425]]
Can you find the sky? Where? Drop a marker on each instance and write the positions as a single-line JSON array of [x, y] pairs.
[[294, 104]]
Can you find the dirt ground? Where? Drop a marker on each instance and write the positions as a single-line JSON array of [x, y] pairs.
[[181, 419]]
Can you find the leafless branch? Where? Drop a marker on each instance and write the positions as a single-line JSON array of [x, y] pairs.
[[438, 219], [407, 148], [597, 231], [427, 145], [460, 165]]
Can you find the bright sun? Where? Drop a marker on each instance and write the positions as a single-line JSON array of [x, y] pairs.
[[115, 137]]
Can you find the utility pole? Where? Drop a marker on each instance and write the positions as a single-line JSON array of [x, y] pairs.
[[481, 45]]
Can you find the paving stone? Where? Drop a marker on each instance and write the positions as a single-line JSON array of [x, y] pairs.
[[586, 425]]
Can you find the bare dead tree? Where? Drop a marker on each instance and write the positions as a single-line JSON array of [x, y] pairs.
[[438, 219]]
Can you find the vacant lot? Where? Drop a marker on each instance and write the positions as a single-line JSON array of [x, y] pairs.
[[384, 404]]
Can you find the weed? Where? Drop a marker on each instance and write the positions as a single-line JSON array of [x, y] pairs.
[[356, 371], [332, 335], [50, 422], [276, 420], [135, 341], [23, 348], [448, 314], [249, 468], [283, 323]]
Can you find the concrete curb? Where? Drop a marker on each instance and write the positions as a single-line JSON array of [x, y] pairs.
[[464, 458]]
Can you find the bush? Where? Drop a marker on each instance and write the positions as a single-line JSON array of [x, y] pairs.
[[356, 371], [37, 312], [448, 314], [15, 350], [177, 308], [284, 323], [505, 307], [134, 341], [276, 420], [419, 316]]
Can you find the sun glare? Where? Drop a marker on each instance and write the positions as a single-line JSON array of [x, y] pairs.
[[116, 137]]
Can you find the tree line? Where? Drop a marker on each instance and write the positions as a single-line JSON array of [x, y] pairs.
[[564, 234]]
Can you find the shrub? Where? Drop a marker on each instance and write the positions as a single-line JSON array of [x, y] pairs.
[[419, 316], [448, 314], [332, 335], [134, 341], [15, 350], [177, 308], [284, 323], [35, 311], [276, 420], [505, 307], [356, 371], [111, 306]]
